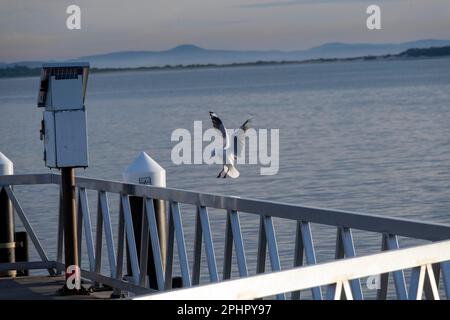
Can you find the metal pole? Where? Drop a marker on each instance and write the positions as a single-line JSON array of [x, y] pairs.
[[69, 216], [136, 207], [22, 251], [7, 244]]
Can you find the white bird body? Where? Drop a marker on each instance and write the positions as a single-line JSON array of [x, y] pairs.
[[229, 157]]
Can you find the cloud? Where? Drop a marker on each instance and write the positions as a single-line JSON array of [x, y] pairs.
[[273, 4], [209, 23]]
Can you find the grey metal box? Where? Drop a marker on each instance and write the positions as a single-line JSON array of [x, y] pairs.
[[66, 139], [62, 92], [65, 94]]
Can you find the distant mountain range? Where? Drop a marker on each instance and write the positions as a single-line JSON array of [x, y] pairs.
[[191, 55]]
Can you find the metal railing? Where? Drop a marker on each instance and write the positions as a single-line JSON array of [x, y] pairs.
[[337, 274], [344, 221]]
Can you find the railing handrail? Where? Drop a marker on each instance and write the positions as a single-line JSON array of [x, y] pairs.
[[362, 221], [322, 274]]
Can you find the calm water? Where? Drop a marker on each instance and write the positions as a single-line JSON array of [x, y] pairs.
[[364, 136]]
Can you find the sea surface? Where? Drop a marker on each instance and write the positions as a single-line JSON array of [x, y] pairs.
[[371, 137]]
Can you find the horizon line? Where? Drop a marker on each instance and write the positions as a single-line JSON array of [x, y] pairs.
[[220, 49]]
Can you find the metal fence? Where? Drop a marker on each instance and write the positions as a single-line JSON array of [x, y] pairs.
[[336, 274], [344, 221]]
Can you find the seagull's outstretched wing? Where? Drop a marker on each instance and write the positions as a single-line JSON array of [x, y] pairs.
[[217, 124], [239, 138]]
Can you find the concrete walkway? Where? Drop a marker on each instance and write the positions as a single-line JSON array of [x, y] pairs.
[[40, 288]]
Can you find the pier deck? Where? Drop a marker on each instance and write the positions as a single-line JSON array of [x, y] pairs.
[[40, 288]]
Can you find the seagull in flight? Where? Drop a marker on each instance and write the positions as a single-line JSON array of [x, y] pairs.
[[238, 139]]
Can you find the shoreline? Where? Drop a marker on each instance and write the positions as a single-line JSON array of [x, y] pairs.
[[26, 72]]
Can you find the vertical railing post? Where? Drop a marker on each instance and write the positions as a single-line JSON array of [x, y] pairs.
[[87, 228], [104, 206], [273, 248], [154, 239], [228, 249], [429, 295], [304, 243], [345, 248], [238, 243], [131, 241], [399, 277], [445, 269], [262, 247], [181, 244], [98, 238], [197, 249], [299, 250], [209, 246], [120, 248], [169, 257]]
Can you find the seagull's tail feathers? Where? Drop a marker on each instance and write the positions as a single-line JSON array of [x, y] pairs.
[[231, 171]]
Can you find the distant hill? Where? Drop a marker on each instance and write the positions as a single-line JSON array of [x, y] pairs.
[[191, 54], [23, 71], [345, 50]]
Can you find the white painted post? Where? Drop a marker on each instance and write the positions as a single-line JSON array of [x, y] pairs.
[[6, 165], [7, 244], [145, 170]]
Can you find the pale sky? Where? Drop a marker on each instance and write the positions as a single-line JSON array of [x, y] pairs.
[[36, 29]]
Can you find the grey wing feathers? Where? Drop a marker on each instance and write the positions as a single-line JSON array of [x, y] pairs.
[[239, 138], [217, 124]]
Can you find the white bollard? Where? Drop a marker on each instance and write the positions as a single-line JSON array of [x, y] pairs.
[[6, 165], [145, 170], [7, 244]]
